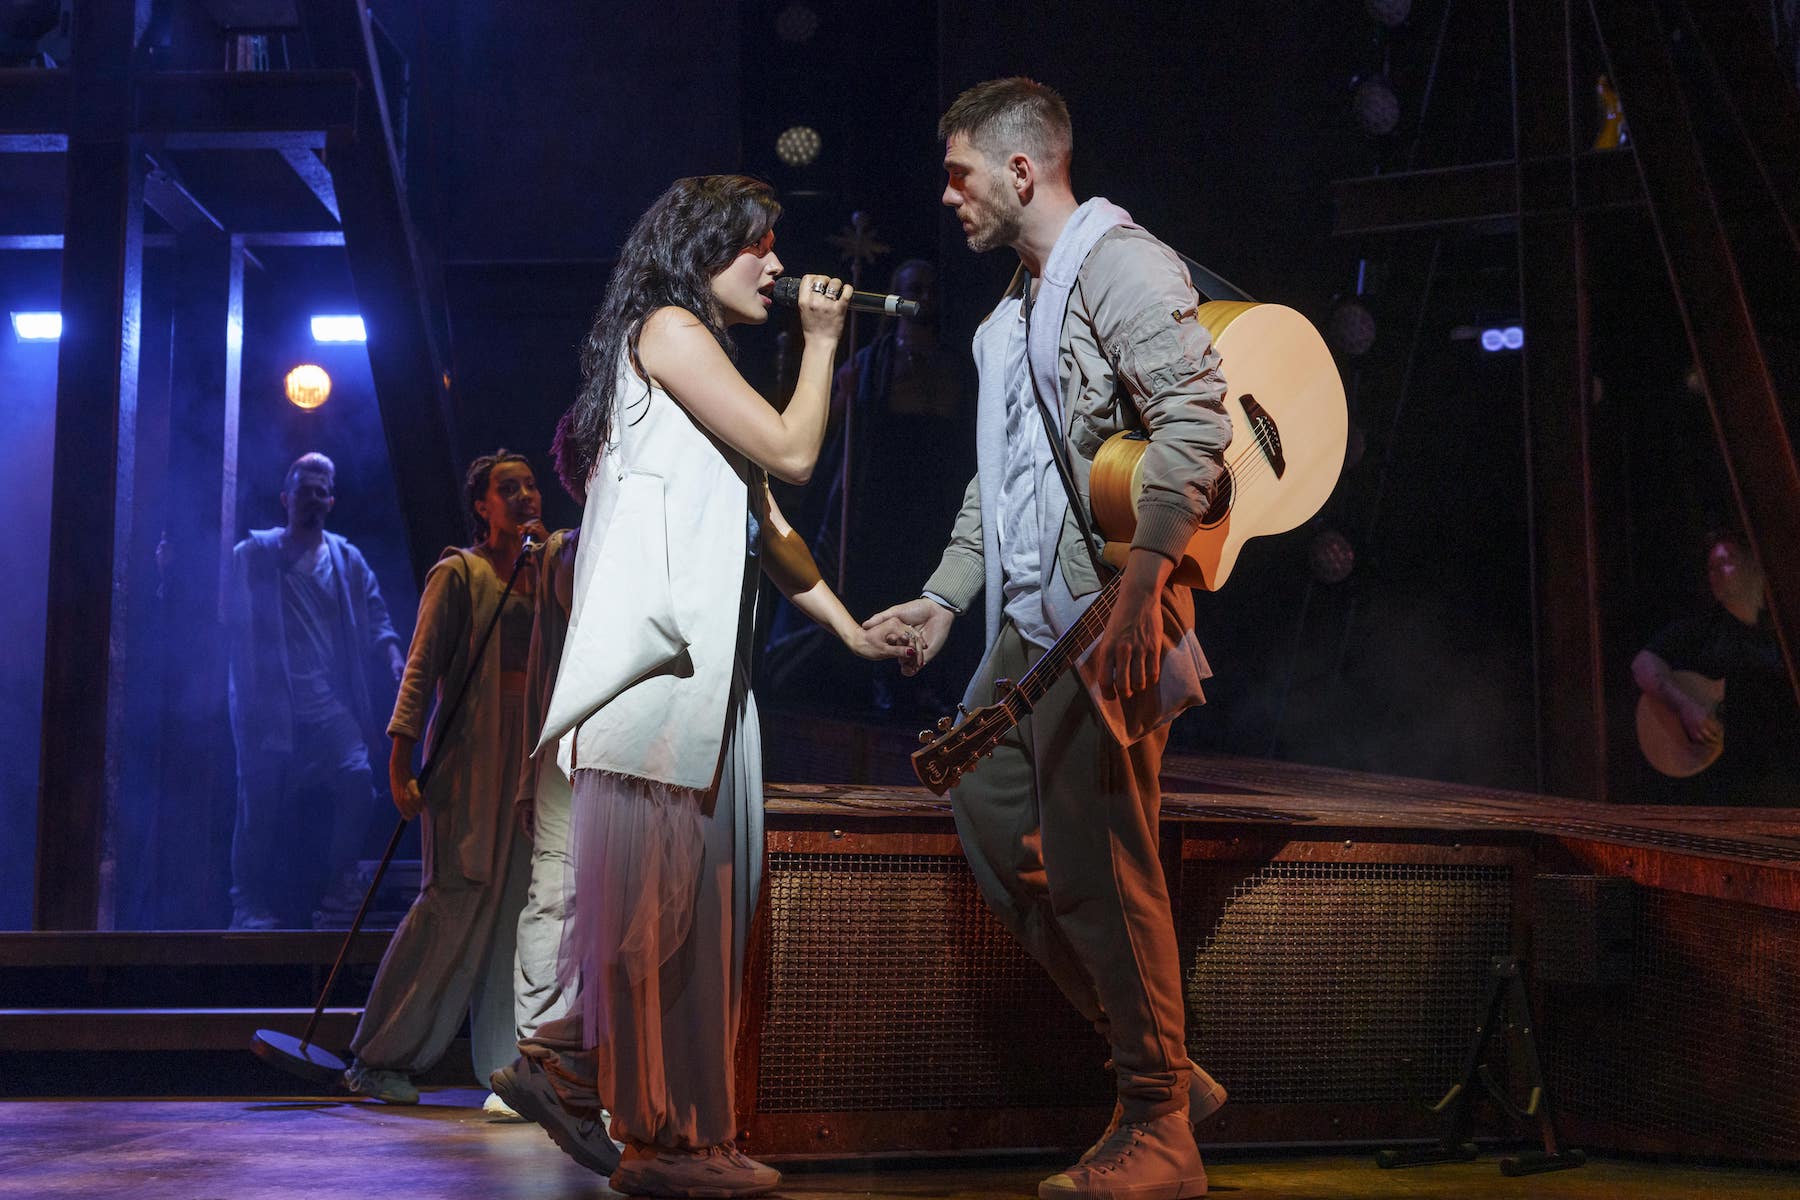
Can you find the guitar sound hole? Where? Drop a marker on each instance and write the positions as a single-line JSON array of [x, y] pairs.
[[1220, 506]]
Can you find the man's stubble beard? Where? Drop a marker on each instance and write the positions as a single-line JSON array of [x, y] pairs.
[[1007, 223]]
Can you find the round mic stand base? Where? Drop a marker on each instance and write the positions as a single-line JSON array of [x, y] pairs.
[[285, 1052]]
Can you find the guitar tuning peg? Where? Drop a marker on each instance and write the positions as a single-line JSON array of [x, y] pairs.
[[945, 724], [926, 737], [962, 711]]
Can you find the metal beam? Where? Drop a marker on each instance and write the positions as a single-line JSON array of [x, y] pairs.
[[91, 470], [1479, 195], [226, 139], [169, 198], [393, 289], [246, 101], [33, 143], [34, 104], [153, 241], [1746, 411], [1570, 669], [315, 175], [303, 238]]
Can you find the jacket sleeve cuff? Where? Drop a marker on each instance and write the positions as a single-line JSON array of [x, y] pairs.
[[403, 729], [958, 579], [1165, 528]]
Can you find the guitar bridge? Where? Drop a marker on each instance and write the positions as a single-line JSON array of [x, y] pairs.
[[1266, 433]]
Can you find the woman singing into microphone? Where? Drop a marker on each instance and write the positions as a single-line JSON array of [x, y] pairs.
[[652, 712]]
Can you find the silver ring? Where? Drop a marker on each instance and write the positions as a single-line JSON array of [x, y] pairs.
[[818, 287], [834, 295]]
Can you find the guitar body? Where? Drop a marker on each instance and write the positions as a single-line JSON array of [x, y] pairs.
[[1663, 738], [1289, 428]]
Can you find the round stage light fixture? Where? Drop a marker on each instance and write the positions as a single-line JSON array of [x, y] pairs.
[[799, 145], [1392, 13], [1352, 327], [797, 23], [1332, 558], [1376, 106], [308, 386]]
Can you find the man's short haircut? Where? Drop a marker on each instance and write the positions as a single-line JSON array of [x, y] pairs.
[[1003, 117], [312, 460]]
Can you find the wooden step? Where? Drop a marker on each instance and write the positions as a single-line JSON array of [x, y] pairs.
[[103, 1030]]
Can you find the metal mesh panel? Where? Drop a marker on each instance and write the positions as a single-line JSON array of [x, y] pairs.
[[891, 986], [1338, 982], [1581, 929], [1702, 1042]]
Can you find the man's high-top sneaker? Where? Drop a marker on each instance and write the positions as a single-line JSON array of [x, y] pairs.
[[1137, 1160]]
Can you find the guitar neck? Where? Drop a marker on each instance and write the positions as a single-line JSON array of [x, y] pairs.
[[1037, 682]]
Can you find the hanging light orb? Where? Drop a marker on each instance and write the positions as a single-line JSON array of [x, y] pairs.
[[1392, 13], [797, 23], [1332, 558], [1352, 327], [1376, 106], [798, 146], [308, 386]]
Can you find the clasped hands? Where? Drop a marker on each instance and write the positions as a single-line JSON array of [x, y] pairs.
[[1126, 660]]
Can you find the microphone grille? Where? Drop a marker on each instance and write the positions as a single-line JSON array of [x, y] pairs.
[[786, 290]]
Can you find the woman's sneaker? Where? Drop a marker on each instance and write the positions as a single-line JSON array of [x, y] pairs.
[[717, 1171], [498, 1111], [389, 1087], [524, 1088]]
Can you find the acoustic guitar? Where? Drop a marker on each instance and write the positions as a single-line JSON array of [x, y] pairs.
[[1289, 427], [1664, 739]]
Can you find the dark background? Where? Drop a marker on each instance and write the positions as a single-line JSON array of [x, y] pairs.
[[536, 130]]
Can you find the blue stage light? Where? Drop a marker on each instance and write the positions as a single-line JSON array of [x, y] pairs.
[[339, 329], [1510, 337], [37, 326]]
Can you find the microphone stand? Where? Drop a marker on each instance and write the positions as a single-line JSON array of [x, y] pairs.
[[299, 1056]]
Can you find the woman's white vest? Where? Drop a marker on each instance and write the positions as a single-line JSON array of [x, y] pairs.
[[646, 671]]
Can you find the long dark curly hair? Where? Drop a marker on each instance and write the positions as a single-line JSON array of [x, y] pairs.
[[690, 234]]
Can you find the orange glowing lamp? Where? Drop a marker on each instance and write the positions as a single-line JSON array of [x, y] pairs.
[[308, 386]]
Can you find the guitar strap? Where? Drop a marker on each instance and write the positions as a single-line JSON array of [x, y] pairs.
[[1059, 451], [1211, 287]]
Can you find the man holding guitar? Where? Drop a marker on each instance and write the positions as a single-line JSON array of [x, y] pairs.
[[1098, 334], [1715, 689]]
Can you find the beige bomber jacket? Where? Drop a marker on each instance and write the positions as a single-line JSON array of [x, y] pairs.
[[1132, 356]]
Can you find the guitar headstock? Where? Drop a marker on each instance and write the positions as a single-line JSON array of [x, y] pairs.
[[952, 750]]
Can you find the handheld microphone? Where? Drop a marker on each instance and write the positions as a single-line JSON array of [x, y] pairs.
[[787, 293]]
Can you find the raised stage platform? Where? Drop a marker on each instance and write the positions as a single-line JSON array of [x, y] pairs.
[[1336, 929]]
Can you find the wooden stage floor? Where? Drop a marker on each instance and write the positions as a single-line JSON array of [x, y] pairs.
[[445, 1149]]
